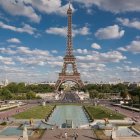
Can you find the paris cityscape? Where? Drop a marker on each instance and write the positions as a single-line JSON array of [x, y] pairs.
[[69, 70]]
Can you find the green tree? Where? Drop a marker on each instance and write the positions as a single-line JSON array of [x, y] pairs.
[[93, 94], [21, 88], [12, 87], [6, 94], [124, 94], [30, 95]]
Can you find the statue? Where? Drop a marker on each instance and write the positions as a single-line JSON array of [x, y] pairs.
[[113, 134], [106, 121], [25, 134], [31, 121]]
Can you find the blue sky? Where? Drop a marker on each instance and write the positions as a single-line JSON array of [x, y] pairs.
[[106, 39]]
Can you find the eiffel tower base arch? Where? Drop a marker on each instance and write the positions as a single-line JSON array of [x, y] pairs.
[[63, 79]]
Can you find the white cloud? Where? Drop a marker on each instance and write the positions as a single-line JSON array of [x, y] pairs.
[[54, 51], [62, 31], [25, 56], [127, 62], [134, 23], [25, 29], [55, 63], [122, 49], [115, 6], [80, 51], [14, 40], [131, 69], [92, 66], [110, 32], [7, 51], [36, 52], [134, 46], [57, 31], [108, 57], [63, 10], [95, 46], [6, 60], [19, 8], [81, 31], [89, 61], [31, 61], [49, 6]]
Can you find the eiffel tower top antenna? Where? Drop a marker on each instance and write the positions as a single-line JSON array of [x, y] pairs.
[[69, 3]]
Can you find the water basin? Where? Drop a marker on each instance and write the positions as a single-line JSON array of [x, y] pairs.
[[13, 131], [72, 113]]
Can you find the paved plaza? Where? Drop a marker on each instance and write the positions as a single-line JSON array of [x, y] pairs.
[[83, 134]]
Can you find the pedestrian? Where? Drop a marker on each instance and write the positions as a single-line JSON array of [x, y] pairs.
[[75, 136], [7, 118], [66, 135]]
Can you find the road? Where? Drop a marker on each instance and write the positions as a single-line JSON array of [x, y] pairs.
[[71, 97], [128, 113], [4, 115]]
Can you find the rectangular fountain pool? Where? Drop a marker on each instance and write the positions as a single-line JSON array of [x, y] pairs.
[[72, 113], [13, 131]]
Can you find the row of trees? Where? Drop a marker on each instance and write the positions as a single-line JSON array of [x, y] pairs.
[[101, 91], [22, 91], [107, 88]]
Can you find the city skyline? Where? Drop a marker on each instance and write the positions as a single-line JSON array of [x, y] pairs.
[[106, 39]]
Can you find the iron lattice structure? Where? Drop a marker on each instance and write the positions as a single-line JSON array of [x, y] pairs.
[[69, 59]]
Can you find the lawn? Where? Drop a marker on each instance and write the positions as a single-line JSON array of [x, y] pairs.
[[99, 112], [38, 112]]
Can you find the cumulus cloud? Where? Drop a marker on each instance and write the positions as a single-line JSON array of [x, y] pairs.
[[49, 6], [128, 69], [31, 61], [25, 29], [27, 51], [62, 31], [134, 23], [6, 60], [57, 31], [92, 66], [108, 57], [81, 51], [19, 8], [114, 6], [28, 64], [133, 47], [14, 40], [110, 32], [54, 51], [30, 57], [95, 46], [8, 51], [122, 49]]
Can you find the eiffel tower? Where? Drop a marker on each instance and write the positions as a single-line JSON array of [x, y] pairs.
[[69, 59]]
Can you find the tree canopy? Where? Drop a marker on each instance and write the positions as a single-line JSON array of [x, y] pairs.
[[21, 91]]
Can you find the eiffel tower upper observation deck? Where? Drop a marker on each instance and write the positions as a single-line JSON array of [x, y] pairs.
[[69, 58]]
